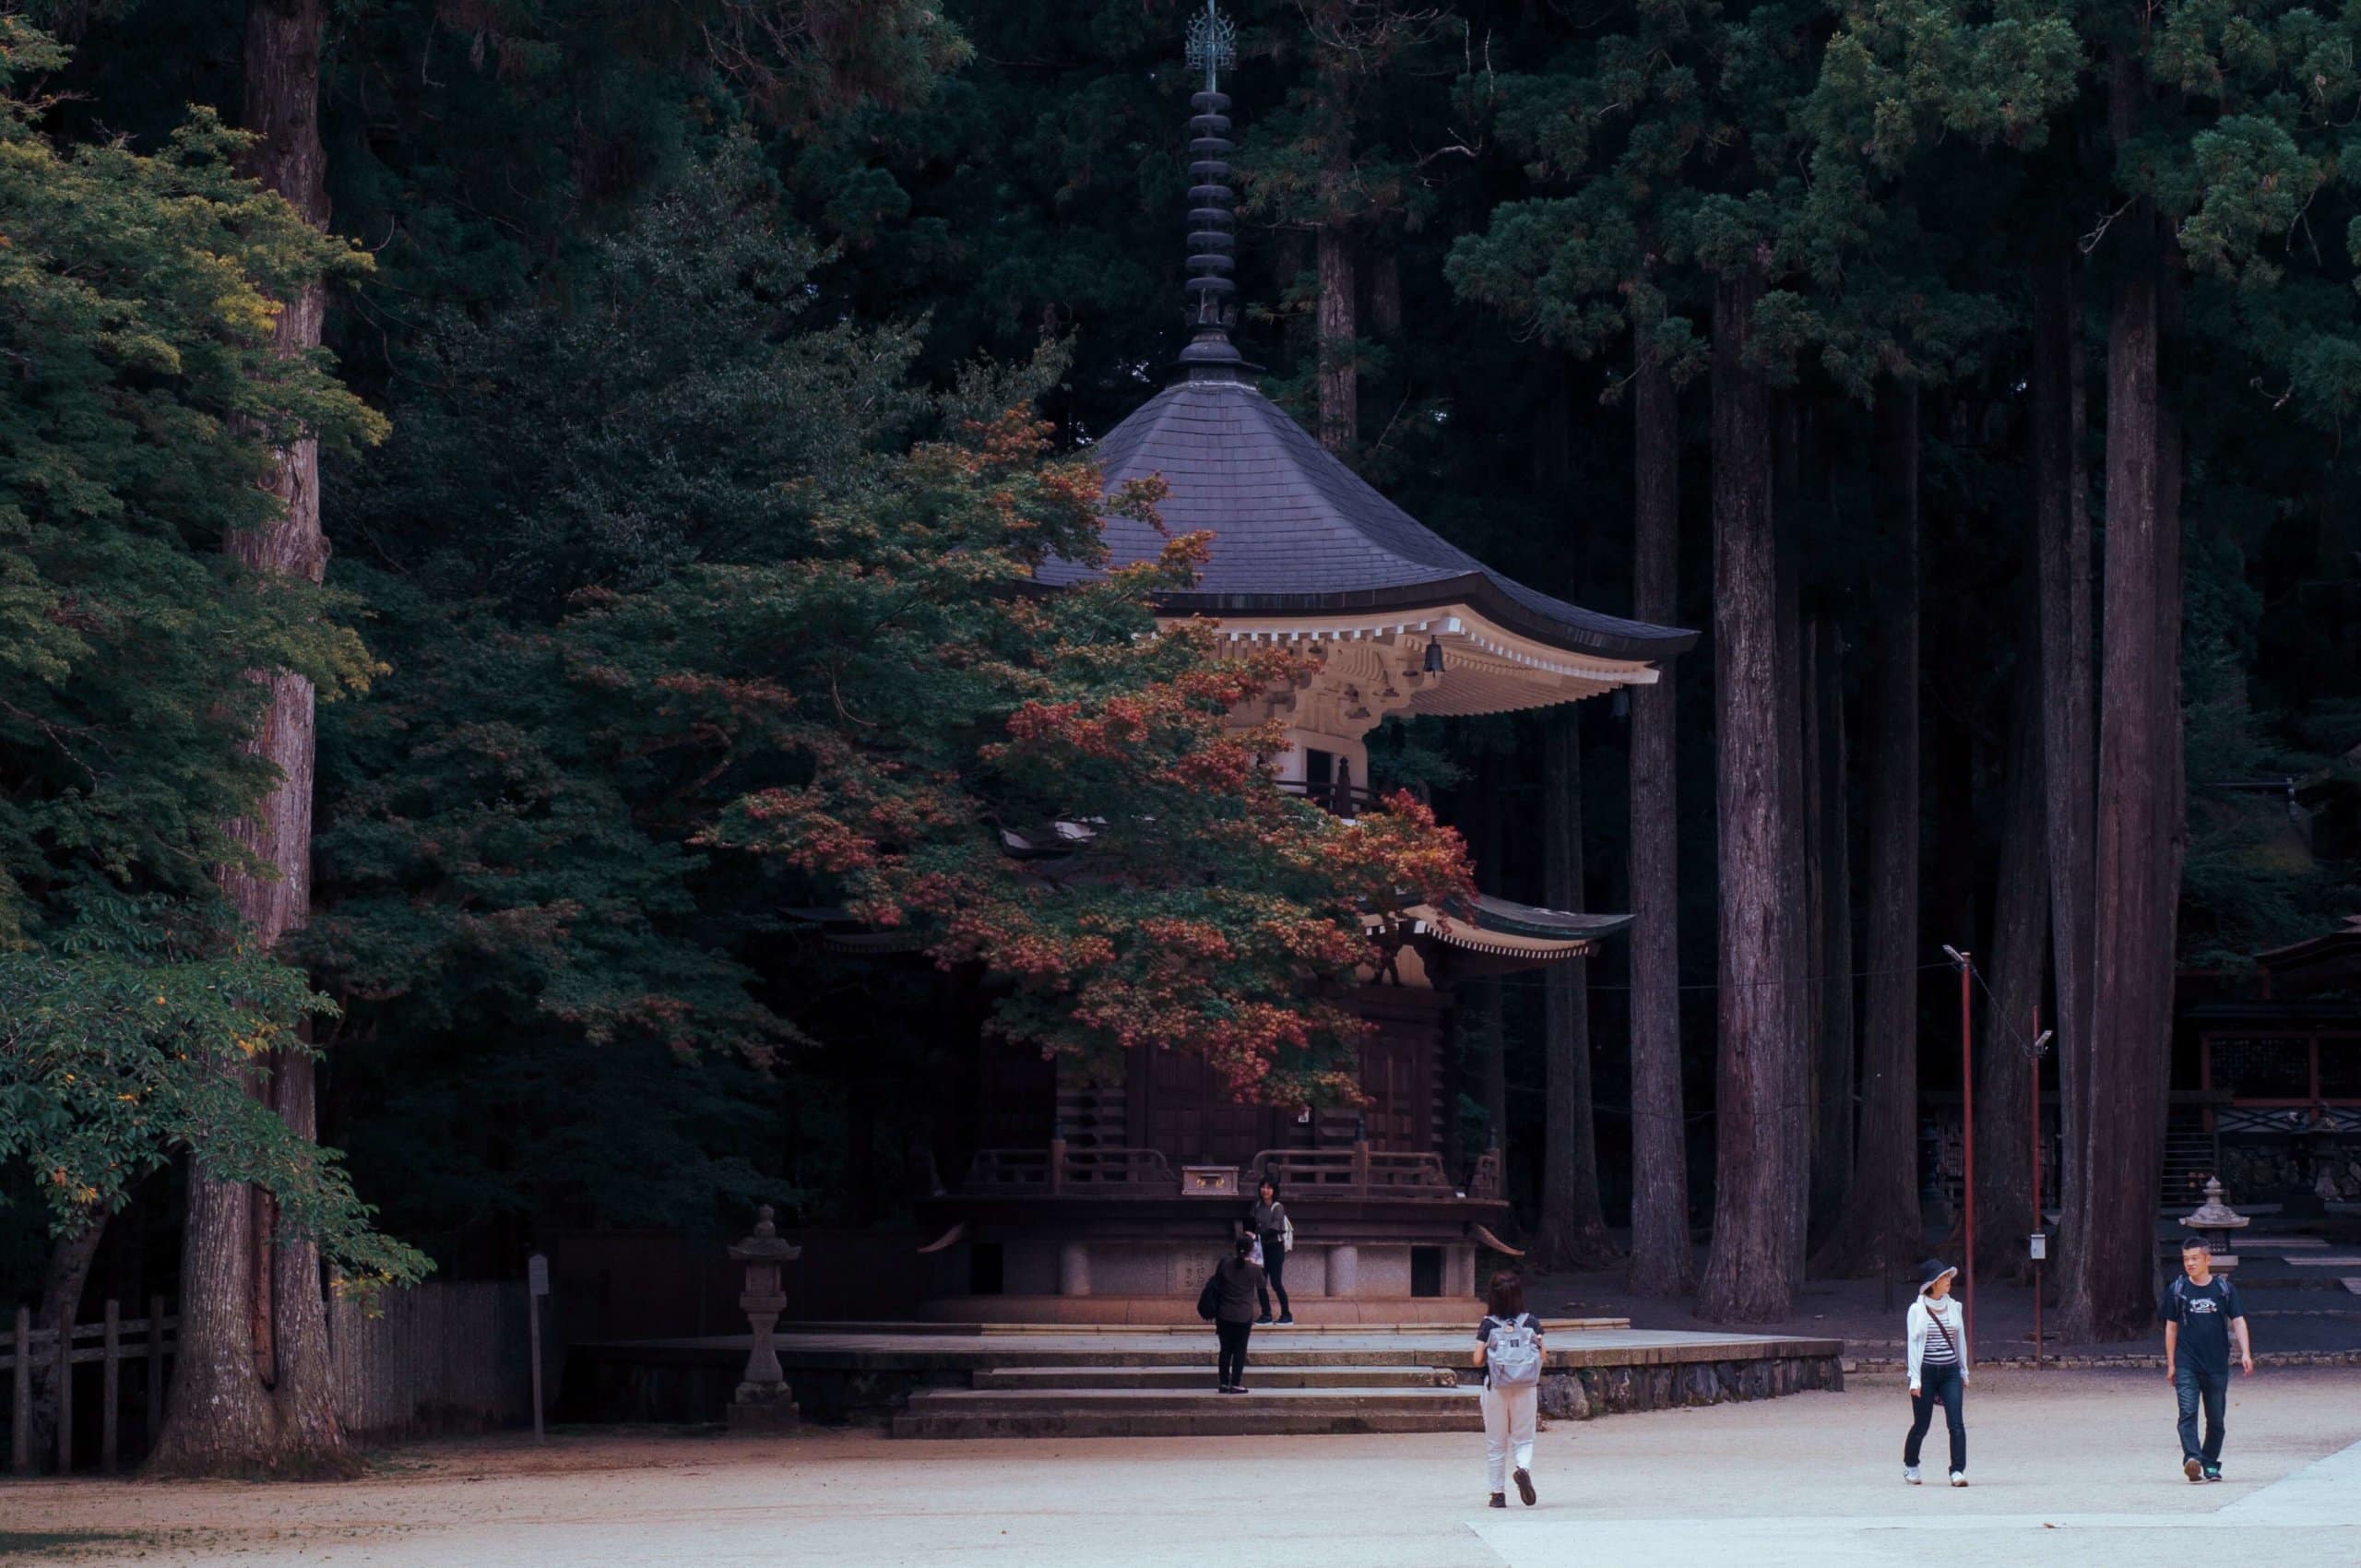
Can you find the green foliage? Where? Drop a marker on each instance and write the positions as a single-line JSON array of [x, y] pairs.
[[135, 424], [141, 392], [142, 1037]]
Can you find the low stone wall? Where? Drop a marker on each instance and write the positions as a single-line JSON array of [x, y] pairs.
[[1585, 1393], [2106, 1361]]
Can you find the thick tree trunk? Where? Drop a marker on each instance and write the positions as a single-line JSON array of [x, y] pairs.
[[2108, 1290], [1880, 1229], [1831, 900], [1339, 382], [2069, 758], [62, 1281], [2019, 964], [1386, 295], [1761, 1108], [1662, 1261], [1572, 1232], [1489, 997], [1492, 1065], [251, 1387]]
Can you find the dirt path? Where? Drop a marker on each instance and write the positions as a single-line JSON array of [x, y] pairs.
[[1813, 1478]]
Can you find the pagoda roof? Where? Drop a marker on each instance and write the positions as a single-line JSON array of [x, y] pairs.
[[1296, 531]]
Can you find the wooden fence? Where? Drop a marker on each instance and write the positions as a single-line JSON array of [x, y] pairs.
[[118, 1341], [435, 1358]]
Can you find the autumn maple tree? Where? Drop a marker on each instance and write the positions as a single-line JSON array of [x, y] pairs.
[[1048, 785]]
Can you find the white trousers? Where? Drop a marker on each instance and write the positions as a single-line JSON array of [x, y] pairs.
[[1508, 1423]]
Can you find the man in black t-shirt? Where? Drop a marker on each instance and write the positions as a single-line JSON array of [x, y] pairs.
[[2203, 1319]]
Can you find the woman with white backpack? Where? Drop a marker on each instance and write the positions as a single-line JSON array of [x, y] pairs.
[[1508, 1346]]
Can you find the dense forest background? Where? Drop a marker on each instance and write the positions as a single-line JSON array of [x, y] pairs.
[[648, 280]]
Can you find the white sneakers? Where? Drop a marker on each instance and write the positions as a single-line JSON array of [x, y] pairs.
[[1910, 1475]]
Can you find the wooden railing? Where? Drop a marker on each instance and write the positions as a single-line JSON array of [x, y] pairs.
[[1346, 800], [1058, 1168], [1118, 1168], [118, 1340], [1358, 1172]]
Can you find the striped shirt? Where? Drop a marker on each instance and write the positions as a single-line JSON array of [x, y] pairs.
[[1943, 1349]]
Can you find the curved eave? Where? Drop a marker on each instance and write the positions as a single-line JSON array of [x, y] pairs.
[[1477, 590]]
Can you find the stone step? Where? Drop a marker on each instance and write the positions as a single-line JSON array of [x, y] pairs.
[[959, 1413], [1179, 1314], [1204, 1397], [1266, 1350], [1195, 1374], [1214, 1423]]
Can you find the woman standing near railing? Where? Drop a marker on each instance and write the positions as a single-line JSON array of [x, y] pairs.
[[1276, 1233]]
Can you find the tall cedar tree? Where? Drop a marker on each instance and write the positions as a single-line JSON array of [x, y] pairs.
[[137, 438], [1573, 269]]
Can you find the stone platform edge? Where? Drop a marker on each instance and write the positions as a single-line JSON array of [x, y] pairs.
[[2135, 1360], [929, 1326]]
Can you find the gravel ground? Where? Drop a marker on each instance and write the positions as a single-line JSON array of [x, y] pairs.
[[2069, 1468]]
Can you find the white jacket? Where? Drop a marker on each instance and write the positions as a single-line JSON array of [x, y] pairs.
[[1923, 1313]]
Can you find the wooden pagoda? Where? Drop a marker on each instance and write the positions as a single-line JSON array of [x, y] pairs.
[[1110, 1202]]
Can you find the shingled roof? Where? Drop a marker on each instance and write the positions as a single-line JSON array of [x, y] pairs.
[[1295, 530]]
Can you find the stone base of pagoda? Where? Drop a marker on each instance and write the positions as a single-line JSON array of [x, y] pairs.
[[1178, 1311], [1373, 1260]]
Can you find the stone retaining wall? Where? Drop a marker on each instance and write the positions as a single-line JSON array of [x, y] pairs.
[[1589, 1392]]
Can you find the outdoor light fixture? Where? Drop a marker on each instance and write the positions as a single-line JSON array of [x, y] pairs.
[[1434, 655], [1959, 959]]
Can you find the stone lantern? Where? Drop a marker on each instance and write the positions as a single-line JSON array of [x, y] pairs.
[[764, 1401], [2215, 1221]]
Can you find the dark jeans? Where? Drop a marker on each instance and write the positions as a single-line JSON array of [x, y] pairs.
[[1935, 1383], [1275, 1270], [1233, 1351], [2191, 1385]]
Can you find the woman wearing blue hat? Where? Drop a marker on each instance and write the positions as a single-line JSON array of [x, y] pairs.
[[1938, 1369]]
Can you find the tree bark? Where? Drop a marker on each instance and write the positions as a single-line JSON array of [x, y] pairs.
[[63, 1278], [1663, 1263], [2108, 1290], [2069, 759], [1572, 1232], [1880, 1228], [1831, 900], [251, 1387], [1762, 1104], [1339, 382], [1386, 295], [1491, 999], [2020, 949]]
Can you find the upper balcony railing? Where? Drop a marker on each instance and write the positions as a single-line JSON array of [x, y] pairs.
[[1346, 800], [1353, 1171]]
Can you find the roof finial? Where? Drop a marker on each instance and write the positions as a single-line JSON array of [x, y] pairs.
[[1213, 45]]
